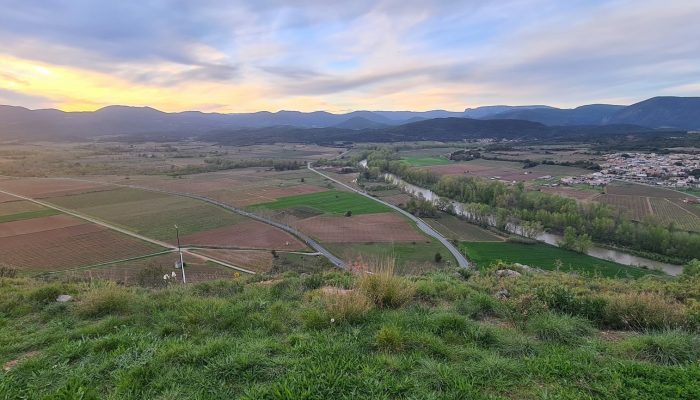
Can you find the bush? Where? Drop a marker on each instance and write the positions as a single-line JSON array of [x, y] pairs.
[[478, 306], [390, 338], [151, 276], [643, 311], [558, 328], [46, 294], [105, 301], [562, 299], [387, 290], [667, 348]]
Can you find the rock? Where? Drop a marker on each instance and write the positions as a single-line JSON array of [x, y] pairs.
[[502, 294], [64, 298], [509, 273]]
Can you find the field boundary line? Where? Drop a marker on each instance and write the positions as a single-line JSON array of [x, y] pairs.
[[422, 225], [122, 230], [107, 263], [294, 232]]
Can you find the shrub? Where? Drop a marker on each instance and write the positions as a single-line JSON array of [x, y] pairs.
[[105, 301], [151, 276], [385, 289], [667, 348], [558, 328], [438, 257], [478, 306], [643, 311], [562, 299], [45, 294], [7, 272], [390, 338]]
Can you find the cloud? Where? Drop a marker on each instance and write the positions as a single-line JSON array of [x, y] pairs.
[[272, 54]]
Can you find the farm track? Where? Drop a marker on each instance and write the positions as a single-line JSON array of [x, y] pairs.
[[423, 226], [318, 248], [124, 231]]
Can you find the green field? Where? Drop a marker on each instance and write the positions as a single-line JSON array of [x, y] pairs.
[[454, 228], [150, 214], [410, 258], [28, 215], [417, 161], [331, 202], [544, 256]]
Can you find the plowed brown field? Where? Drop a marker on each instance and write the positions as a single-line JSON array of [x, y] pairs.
[[254, 260], [40, 188], [383, 227], [245, 235], [67, 244]]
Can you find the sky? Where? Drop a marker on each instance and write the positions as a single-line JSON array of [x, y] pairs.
[[339, 56]]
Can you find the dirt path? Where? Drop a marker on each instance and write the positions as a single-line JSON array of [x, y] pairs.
[[124, 231]]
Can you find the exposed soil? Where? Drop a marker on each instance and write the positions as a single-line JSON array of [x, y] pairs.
[[383, 227], [246, 235]]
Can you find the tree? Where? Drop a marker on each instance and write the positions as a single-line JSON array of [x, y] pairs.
[[438, 257], [583, 243], [569, 239], [348, 213]]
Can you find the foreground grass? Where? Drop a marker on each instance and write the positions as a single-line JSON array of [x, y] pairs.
[[545, 256], [441, 335], [332, 202]]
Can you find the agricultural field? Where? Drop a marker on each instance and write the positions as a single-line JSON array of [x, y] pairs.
[[642, 201], [418, 161], [20, 209], [58, 242], [583, 193], [131, 272], [410, 258], [331, 202], [635, 207], [454, 228], [544, 256], [118, 158], [253, 260], [148, 213], [383, 227], [505, 170]]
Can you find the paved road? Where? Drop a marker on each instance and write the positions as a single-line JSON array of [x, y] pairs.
[[427, 229], [125, 232], [294, 232]]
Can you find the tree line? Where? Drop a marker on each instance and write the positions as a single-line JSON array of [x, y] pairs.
[[496, 203]]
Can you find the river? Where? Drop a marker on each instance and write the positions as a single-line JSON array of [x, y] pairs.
[[617, 256]]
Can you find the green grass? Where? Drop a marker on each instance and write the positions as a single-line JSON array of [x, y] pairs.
[[330, 202], [544, 256], [28, 215], [283, 339], [410, 258], [454, 228], [150, 214], [418, 161]]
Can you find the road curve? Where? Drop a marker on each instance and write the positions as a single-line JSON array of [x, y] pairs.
[[294, 232], [427, 229], [125, 231]]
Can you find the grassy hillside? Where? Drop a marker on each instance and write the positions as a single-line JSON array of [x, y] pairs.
[[336, 335]]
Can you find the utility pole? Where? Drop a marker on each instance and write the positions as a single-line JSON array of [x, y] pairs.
[[182, 262]]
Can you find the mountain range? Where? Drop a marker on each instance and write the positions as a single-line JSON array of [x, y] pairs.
[[21, 123]]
